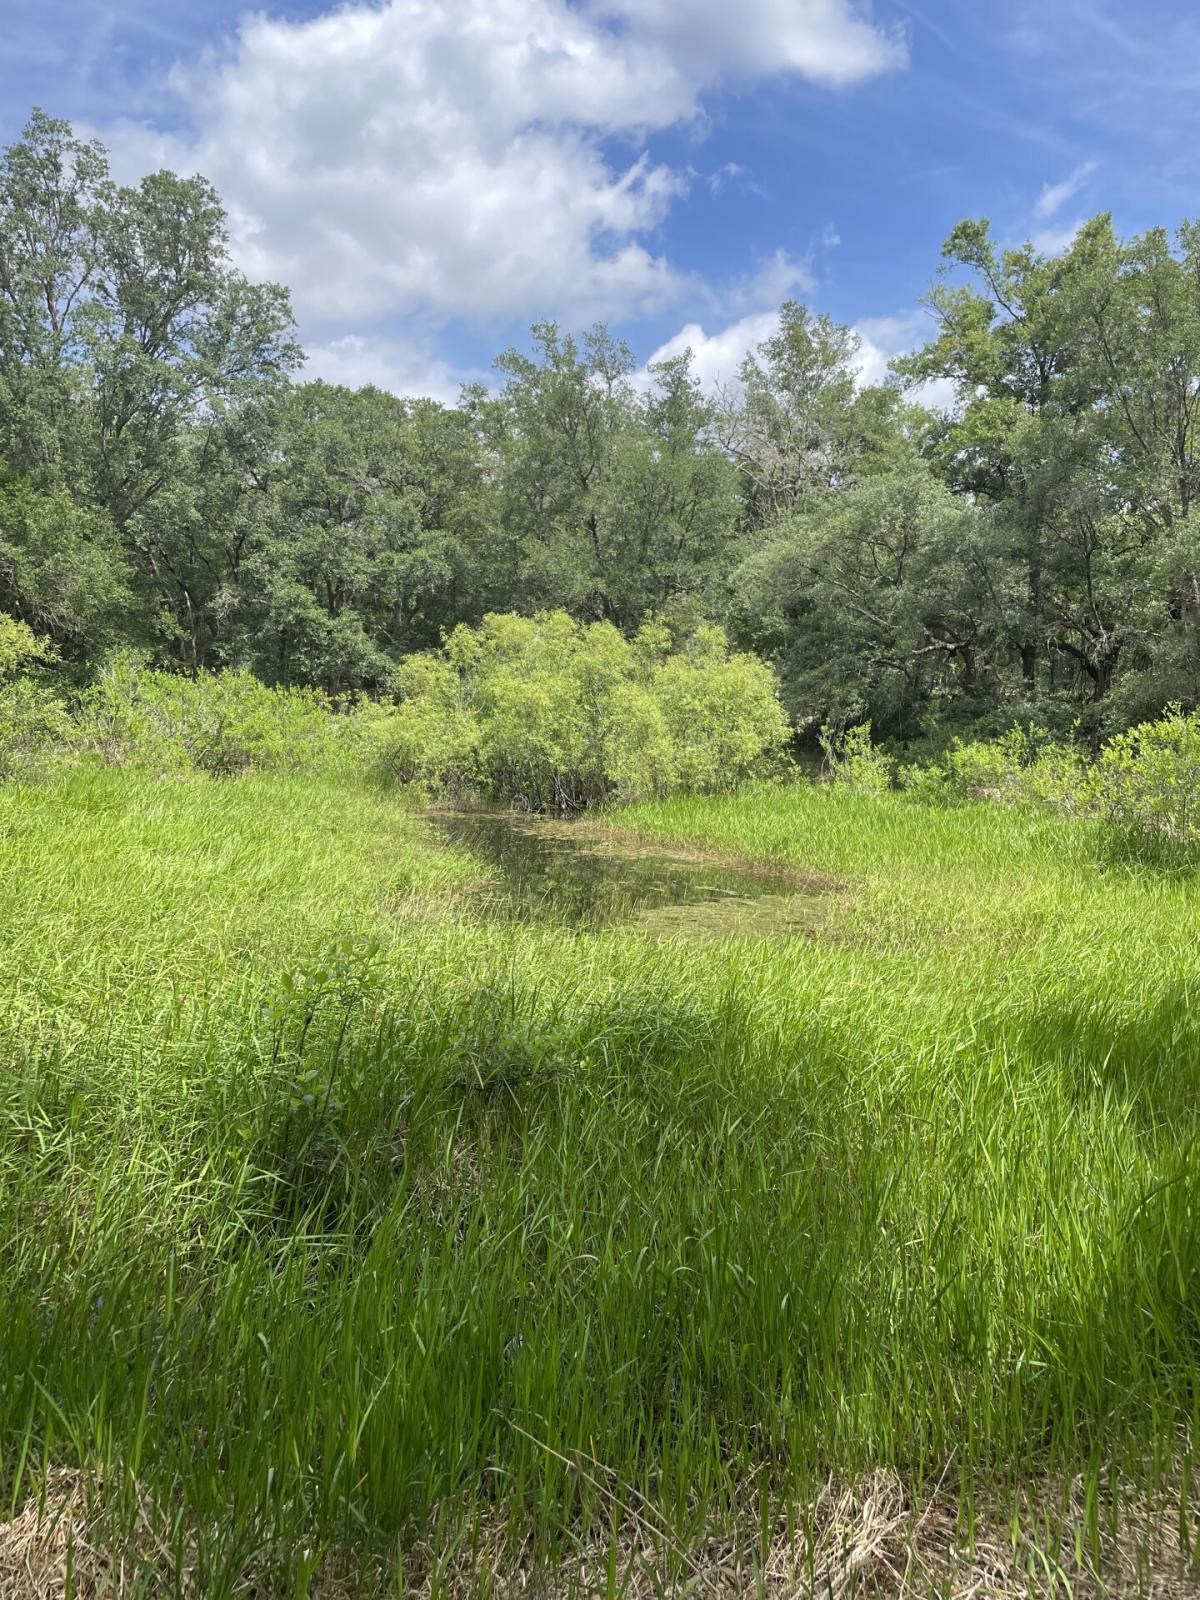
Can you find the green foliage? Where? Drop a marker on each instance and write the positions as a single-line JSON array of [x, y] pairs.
[[1076, 430], [1023, 764], [218, 723], [556, 715], [61, 566], [19, 646], [431, 739], [1143, 784], [794, 427], [372, 539], [1147, 780], [613, 503], [339, 1228], [33, 721], [851, 759], [33, 726]]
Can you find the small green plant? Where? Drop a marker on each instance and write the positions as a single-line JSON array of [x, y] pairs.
[[853, 761], [19, 646], [1144, 784], [1146, 781]]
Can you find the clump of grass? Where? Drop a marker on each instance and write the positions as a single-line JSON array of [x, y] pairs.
[[342, 1241]]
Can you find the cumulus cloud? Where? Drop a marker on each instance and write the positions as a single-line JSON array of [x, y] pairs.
[[401, 365], [827, 41], [717, 356], [881, 338], [463, 157]]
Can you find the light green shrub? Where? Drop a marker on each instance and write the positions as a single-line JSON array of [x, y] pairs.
[[1022, 766], [1144, 783], [19, 646], [543, 696], [722, 713], [431, 739], [33, 721], [1147, 781], [643, 754], [929, 784], [33, 726], [556, 715], [852, 760], [220, 723]]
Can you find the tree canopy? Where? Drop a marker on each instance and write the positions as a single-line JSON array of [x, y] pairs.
[[169, 485]]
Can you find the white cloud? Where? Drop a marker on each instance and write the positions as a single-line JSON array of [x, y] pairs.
[[404, 367], [725, 175], [1055, 195], [448, 157], [717, 356], [881, 338], [828, 41], [1053, 241], [779, 277]]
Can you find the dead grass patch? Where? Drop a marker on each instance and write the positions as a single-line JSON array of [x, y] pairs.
[[869, 1541]]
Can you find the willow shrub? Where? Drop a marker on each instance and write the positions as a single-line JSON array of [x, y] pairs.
[[557, 715], [851, 759], [221, 723], [538, 711], [1148, 779]]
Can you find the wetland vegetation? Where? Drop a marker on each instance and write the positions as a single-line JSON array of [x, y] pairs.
[[475, 1118], [358, 1236]]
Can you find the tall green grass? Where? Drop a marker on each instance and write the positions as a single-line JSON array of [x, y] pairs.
[[338, 1225]]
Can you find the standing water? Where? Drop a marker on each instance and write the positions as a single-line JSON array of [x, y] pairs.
[[577, 876]]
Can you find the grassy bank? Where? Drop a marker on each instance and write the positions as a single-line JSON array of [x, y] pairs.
[[350, 1241]]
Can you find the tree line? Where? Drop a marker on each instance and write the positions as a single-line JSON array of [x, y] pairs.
[[169, 485]]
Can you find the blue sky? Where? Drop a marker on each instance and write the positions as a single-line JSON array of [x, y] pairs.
[[429, 176]]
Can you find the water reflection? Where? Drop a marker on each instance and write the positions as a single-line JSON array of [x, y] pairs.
[[572, 875]]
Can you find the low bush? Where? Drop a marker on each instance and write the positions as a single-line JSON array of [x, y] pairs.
[[851, 759], [1144, 784], [220, 723], [555, 715], [541, 712], [1147, 780], [32, 719]]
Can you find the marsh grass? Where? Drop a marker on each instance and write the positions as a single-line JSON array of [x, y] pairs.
[[341, 1241]]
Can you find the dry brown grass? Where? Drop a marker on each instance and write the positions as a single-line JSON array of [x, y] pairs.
[[48, 1547], [871, 1540]]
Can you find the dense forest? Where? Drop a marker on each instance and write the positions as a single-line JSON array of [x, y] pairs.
[[168, 484]]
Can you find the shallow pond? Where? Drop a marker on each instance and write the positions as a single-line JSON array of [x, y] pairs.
[[580, 876]]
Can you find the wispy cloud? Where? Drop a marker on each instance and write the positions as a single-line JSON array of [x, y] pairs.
[[1055, 195], [731, 174], [724, 176], [1054, 240]]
